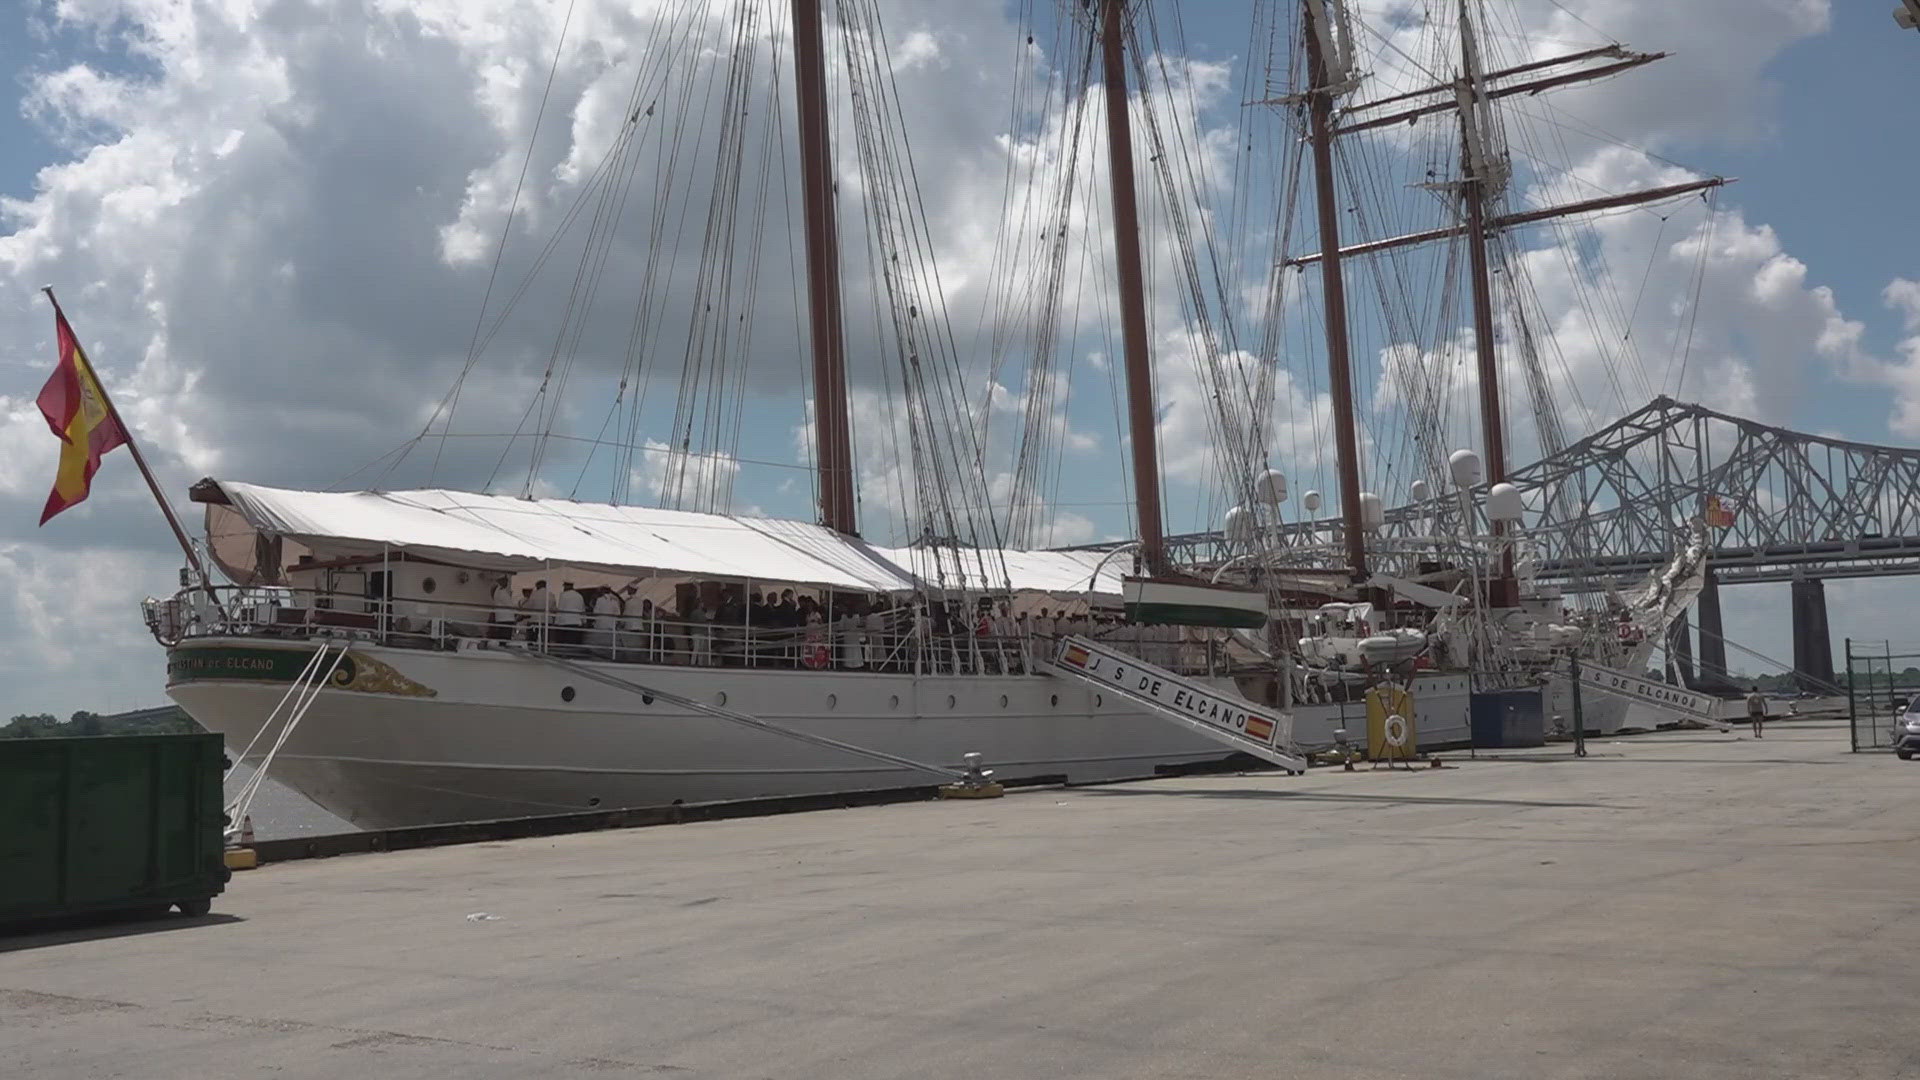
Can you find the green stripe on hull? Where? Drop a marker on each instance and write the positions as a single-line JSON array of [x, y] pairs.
[[1195, 615], [202, 663]]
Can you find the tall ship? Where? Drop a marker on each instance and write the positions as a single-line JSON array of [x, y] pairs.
[[430, 653]]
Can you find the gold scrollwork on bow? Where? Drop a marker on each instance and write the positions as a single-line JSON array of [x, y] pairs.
[[366, 675]]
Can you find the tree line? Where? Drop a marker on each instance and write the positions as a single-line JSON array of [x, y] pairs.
[[167, 721]]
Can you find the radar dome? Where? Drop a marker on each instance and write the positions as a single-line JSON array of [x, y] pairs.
[[1238, 524], [1504, 503], [1465, 467], [1271, 487]]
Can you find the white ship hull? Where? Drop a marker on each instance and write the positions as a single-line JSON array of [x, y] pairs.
[[489, 734]]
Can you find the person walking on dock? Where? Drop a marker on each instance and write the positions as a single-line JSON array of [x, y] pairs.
[[1756, 709]]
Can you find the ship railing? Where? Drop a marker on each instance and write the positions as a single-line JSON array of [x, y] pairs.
[[894, 642]]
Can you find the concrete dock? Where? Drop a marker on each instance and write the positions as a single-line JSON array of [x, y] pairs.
[[1676, 905]]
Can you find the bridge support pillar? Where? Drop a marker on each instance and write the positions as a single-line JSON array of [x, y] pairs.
[[1812, 644], [1680, 651], [1713, 645]]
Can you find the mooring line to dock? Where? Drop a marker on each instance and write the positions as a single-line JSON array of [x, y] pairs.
[[237, 810], [298, 683]]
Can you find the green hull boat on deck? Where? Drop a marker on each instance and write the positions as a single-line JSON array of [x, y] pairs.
[[1162, 601]]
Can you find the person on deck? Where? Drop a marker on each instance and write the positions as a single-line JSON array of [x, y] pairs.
[[758, 612], [1756, 709], [815, 654], [876, 641], [629, 639], [922, 634], [1007, 658], [730, 628], [537, 609], [572, 617], [648, 627], [500, 628], [783, 615], [607, 610], [850, 637], [700, 634]]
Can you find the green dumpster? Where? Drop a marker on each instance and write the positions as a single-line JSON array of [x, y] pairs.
[[110, 823]]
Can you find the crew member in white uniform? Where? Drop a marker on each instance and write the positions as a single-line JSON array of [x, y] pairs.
[[607, 610], [539, 613], [503, 609], [572, 617]]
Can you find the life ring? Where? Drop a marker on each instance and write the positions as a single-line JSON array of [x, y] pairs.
[[1394, 730]]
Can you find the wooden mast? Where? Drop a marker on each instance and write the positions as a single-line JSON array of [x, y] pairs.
[[831, 426], [1333, 290], [1473, 193], [1133, 305]]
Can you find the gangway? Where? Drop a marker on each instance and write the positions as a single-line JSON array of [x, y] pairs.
[[1229, 720], [1699, 708]]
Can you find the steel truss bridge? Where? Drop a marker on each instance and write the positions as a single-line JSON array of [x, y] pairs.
[[1781, 505]]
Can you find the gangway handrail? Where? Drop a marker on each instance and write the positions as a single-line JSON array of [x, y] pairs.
[[1092, 662], [1690, 705]]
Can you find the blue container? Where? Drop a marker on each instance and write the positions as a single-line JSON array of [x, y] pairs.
[[1507, 719]]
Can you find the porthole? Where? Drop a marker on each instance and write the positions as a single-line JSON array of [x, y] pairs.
[[720, 698], [427, 585], [566, 693], [1054, 701], [833, 701], [952, 701], [893, 702], [1003, 701]]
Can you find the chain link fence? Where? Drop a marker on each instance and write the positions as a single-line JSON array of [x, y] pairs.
[[1882, 677]]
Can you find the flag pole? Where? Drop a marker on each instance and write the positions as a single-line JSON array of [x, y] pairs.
[[133, 445]]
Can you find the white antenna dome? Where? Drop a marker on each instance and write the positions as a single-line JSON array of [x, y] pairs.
[[1238, 524], [1373, 513], [1418, 491], [1465, 467], [1271, 487], [1311, 500], [1504, 503]]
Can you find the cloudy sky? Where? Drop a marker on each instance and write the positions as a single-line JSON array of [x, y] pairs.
[[273, 223]]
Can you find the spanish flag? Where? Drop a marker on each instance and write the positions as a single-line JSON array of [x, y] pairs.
[[77, 411]]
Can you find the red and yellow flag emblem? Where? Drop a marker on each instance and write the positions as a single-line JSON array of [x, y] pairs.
[[77, 411]]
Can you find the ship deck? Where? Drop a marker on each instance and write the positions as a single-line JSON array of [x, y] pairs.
[[1676, 905]]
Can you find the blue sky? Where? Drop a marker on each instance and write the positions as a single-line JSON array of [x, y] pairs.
[[254, 213], [1831, 176]]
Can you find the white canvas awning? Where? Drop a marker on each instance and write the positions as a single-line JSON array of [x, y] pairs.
[[507, 533], [1062, 573]]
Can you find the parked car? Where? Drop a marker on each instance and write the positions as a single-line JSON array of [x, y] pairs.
[[1906, 730]]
